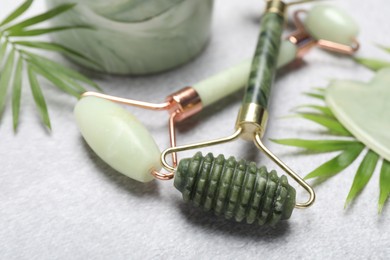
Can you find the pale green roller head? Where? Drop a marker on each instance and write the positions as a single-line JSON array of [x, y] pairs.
[[118, 138], [331, 23]]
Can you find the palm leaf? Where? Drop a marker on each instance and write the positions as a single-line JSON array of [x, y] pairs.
[[5, 78], [57, 68], [16, 93], [40, 18], [57, 81], [322, 146], [314, 95], [3, 49], [321, 90], [36, 32], [338, 163], [80, 89], [350, 148], [372, 64], [38, 97], [384, 184], [49, 46], [363, 175], [18, 11], [330, 123], [323, 109], [385, 48], [64, 78]]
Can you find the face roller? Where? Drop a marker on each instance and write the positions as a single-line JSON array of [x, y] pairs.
[[235, 189]]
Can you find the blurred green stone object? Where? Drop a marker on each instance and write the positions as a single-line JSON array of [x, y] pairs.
[[322, 20], [364, 109], [136, 36]]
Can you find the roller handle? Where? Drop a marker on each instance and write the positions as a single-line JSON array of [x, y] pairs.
[[263, 68], [252, 117], [236, 77]]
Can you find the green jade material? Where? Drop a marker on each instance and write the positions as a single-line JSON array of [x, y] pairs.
[[263, 68], [240, 189], [118, 138], [364, 109], [210, 90], [235, 189], [322, 22], [331, 23], [235, 78], [105, 125]]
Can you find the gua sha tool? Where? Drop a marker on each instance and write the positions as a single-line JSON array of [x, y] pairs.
[[338, 35], [364, 109], [212, 183]]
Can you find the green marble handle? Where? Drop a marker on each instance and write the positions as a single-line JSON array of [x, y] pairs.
[[263, 67]]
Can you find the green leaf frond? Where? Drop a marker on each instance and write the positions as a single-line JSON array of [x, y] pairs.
[[320, 146], [383, 47], [41, 31], [5, 78], [384, 184], [18, 11], [374, 64], [16, 93], [38, 96], [39, 18], [350, 150], [322, 109], [315, 95], [362, 176], [332, 124], [338, 163], [20, 52]]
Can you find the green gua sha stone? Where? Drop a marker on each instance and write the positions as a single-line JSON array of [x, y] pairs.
[[118, 138], [364, 109]]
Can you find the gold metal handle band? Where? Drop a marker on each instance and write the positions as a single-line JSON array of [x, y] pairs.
[[252, 118], [277, 7]]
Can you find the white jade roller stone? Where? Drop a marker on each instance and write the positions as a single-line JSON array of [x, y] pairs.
[[331, 23], [231, 80], [118, 138]]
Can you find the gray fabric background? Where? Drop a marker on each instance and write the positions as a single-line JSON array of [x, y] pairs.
[[59, 201]]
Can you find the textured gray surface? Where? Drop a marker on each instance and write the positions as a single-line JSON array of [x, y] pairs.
[[58, 201]]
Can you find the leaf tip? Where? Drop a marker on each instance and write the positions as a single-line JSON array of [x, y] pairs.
[[48, 125], [381, 204], [15, 128], [347, 202]]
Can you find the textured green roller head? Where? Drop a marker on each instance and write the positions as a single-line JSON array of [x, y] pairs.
[[236, 189]]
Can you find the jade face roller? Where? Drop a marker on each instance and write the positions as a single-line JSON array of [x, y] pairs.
[[240, 190], [324, 25], [134, 153]]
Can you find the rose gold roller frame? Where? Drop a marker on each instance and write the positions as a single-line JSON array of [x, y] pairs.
[[305, 41]]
